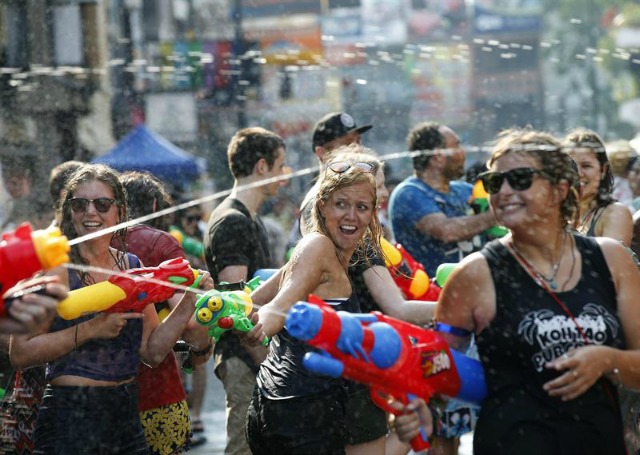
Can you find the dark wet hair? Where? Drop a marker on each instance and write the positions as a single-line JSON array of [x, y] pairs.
[[555, 162], [584, 138], [425, 136], [111, 178], [59, 176], [144, 191]]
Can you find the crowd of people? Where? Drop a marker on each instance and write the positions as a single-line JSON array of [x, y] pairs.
[[547, 306]]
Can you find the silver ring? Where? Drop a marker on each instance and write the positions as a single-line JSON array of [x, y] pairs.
[[575, 373], [565, 356]]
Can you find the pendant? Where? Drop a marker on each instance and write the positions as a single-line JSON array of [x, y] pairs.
[[553, 285]]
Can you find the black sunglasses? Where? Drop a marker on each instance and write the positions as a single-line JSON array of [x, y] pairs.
[[192, 218], [80, 204], [340, 167], [519, 179]]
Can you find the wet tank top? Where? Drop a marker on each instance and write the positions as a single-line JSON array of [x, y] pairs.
[[282, 375], [530, 329], [115, 359]]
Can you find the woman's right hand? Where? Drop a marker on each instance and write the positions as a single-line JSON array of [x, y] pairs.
[[109, 325], [411, 419], [255, 337]]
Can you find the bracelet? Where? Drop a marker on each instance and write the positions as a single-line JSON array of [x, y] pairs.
[[205, 351], [446, 328], [75, 338]]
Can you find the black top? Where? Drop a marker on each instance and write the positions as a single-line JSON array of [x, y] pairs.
[[235, 238], [530, 329], [359, 265], [282, 375]]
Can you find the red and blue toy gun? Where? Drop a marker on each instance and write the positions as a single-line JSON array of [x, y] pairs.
[[131, 291], [408, 274], [394, 358], [24, 252]]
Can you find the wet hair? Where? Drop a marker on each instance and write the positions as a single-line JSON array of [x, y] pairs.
[[250, 145], [59, 176], [556, 164], [584, 138], [426, 137], [89, 173], [146, 194], [330, 182]]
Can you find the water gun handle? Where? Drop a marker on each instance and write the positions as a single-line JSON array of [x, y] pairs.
[[381, 399], [24, 252]]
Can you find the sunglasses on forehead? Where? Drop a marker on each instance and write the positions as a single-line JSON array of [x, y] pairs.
[[340, 167], [80, 204], [519, 179]]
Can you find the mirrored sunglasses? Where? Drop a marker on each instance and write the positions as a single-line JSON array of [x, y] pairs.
[[340, 167]]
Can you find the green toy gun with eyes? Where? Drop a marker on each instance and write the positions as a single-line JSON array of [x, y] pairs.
[[227, 307]]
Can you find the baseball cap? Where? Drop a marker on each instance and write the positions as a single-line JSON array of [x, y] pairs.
[[335, 125]]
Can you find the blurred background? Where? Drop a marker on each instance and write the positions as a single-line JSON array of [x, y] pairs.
[[78, 76]]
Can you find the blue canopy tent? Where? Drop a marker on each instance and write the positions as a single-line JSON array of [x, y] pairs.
[[145, 150]]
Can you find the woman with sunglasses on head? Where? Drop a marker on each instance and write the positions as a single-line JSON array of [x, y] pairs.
[[293, 410], [90, 403], [600, 214], [376, 291], [554, 313]]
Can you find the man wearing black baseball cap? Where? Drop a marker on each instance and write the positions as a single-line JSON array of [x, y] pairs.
[[334, 130]]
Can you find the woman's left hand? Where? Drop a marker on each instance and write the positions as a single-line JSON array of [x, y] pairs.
[[582, 368]]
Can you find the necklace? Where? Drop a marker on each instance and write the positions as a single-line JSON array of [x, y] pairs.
[[538, 276], [587, 217]]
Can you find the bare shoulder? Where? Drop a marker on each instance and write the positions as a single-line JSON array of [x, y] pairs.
[[314, 245], [615, 253], [468, 297]]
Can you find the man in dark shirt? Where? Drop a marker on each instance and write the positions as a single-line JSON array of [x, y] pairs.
[[236, 246]]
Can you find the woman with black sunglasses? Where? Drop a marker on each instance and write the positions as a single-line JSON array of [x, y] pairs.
[[90, 403], [555, 314]]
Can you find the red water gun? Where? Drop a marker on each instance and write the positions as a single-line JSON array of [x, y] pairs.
[[24, 252], [394, 358], [131, 291], [408, 274]]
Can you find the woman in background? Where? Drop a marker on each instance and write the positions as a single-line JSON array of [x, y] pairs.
[[600, 214]]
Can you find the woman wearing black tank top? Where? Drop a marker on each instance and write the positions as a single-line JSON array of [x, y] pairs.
[[554, 313], [90, 403], [292, 410]]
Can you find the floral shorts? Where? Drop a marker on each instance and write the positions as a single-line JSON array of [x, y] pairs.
[[167, 428]]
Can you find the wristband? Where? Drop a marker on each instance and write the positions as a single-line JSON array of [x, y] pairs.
[[457, 331]]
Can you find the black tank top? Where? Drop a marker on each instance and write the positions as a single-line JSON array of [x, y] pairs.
[[530, 329], [282, 375]]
